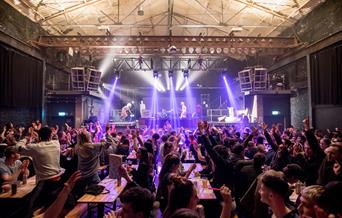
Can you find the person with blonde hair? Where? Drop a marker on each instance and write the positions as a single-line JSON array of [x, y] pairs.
[[88, 154], [308, 199]]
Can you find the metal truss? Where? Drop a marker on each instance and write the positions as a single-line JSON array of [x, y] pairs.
[[165, 64], [169, 45]]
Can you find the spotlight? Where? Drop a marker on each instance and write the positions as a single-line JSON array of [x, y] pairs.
[[172, 49], [224, 73], [117, 74], [186, 73], [155, 73], [170, 73]]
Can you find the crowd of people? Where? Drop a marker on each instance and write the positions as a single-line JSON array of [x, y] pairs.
[[253, 170]]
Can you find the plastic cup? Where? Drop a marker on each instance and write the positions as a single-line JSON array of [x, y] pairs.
[[205, 183], [119, 181], [14, 187]]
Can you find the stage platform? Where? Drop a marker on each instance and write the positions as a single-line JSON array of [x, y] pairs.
[[123, 123], [185, 123]]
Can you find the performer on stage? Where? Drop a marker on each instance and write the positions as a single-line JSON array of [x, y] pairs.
[[167, 126], [183, 111], [125, 112], [142, 108]]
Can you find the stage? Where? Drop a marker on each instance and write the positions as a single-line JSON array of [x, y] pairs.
[[185, 123]]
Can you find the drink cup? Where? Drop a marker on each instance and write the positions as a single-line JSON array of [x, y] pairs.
[[119, 181], [205, 183], [195, 184], [24, 179], [14, 188]]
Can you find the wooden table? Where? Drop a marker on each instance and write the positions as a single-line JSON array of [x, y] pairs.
[[203, 193], [190, 159], [132, 156], [22, 190], [102, 199], [186, 166]]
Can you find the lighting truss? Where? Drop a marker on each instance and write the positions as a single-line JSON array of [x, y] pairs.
[[159, 45], [176, 63]]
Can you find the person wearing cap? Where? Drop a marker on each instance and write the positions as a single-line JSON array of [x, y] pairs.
[[12, 167]]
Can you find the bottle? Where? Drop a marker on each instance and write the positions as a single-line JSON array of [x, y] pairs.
[[24, 179]]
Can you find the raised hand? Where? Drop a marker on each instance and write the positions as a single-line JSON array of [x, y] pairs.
[[254, 131], [263, 126], [123, 172], [110, 214], [192, 167], [306, 124], [200, 126], [226, 195], [25, 164], [21, 129]]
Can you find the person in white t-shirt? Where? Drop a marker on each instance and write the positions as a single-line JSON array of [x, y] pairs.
[[45, 155], [142, 108]]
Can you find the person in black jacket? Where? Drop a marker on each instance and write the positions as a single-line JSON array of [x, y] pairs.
[[223, 173], [281, 156], [313, 154]]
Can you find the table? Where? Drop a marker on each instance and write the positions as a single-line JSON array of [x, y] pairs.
[[186, 166], [22, 190], [189, 158], [203, 193], [132, 156], [102, 199]]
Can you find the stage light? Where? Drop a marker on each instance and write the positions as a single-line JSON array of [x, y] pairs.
[[230, 94], [170, 73], [117, 74], [155, 74], [186, 73], [254, 113], [224, 73]]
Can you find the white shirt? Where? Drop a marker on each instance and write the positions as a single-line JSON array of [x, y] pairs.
[[45, 156], [142, 108]]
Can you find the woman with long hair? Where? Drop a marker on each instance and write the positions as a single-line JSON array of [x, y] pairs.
[[144, 174], [88, 160], [182, 195], [170, 168]]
